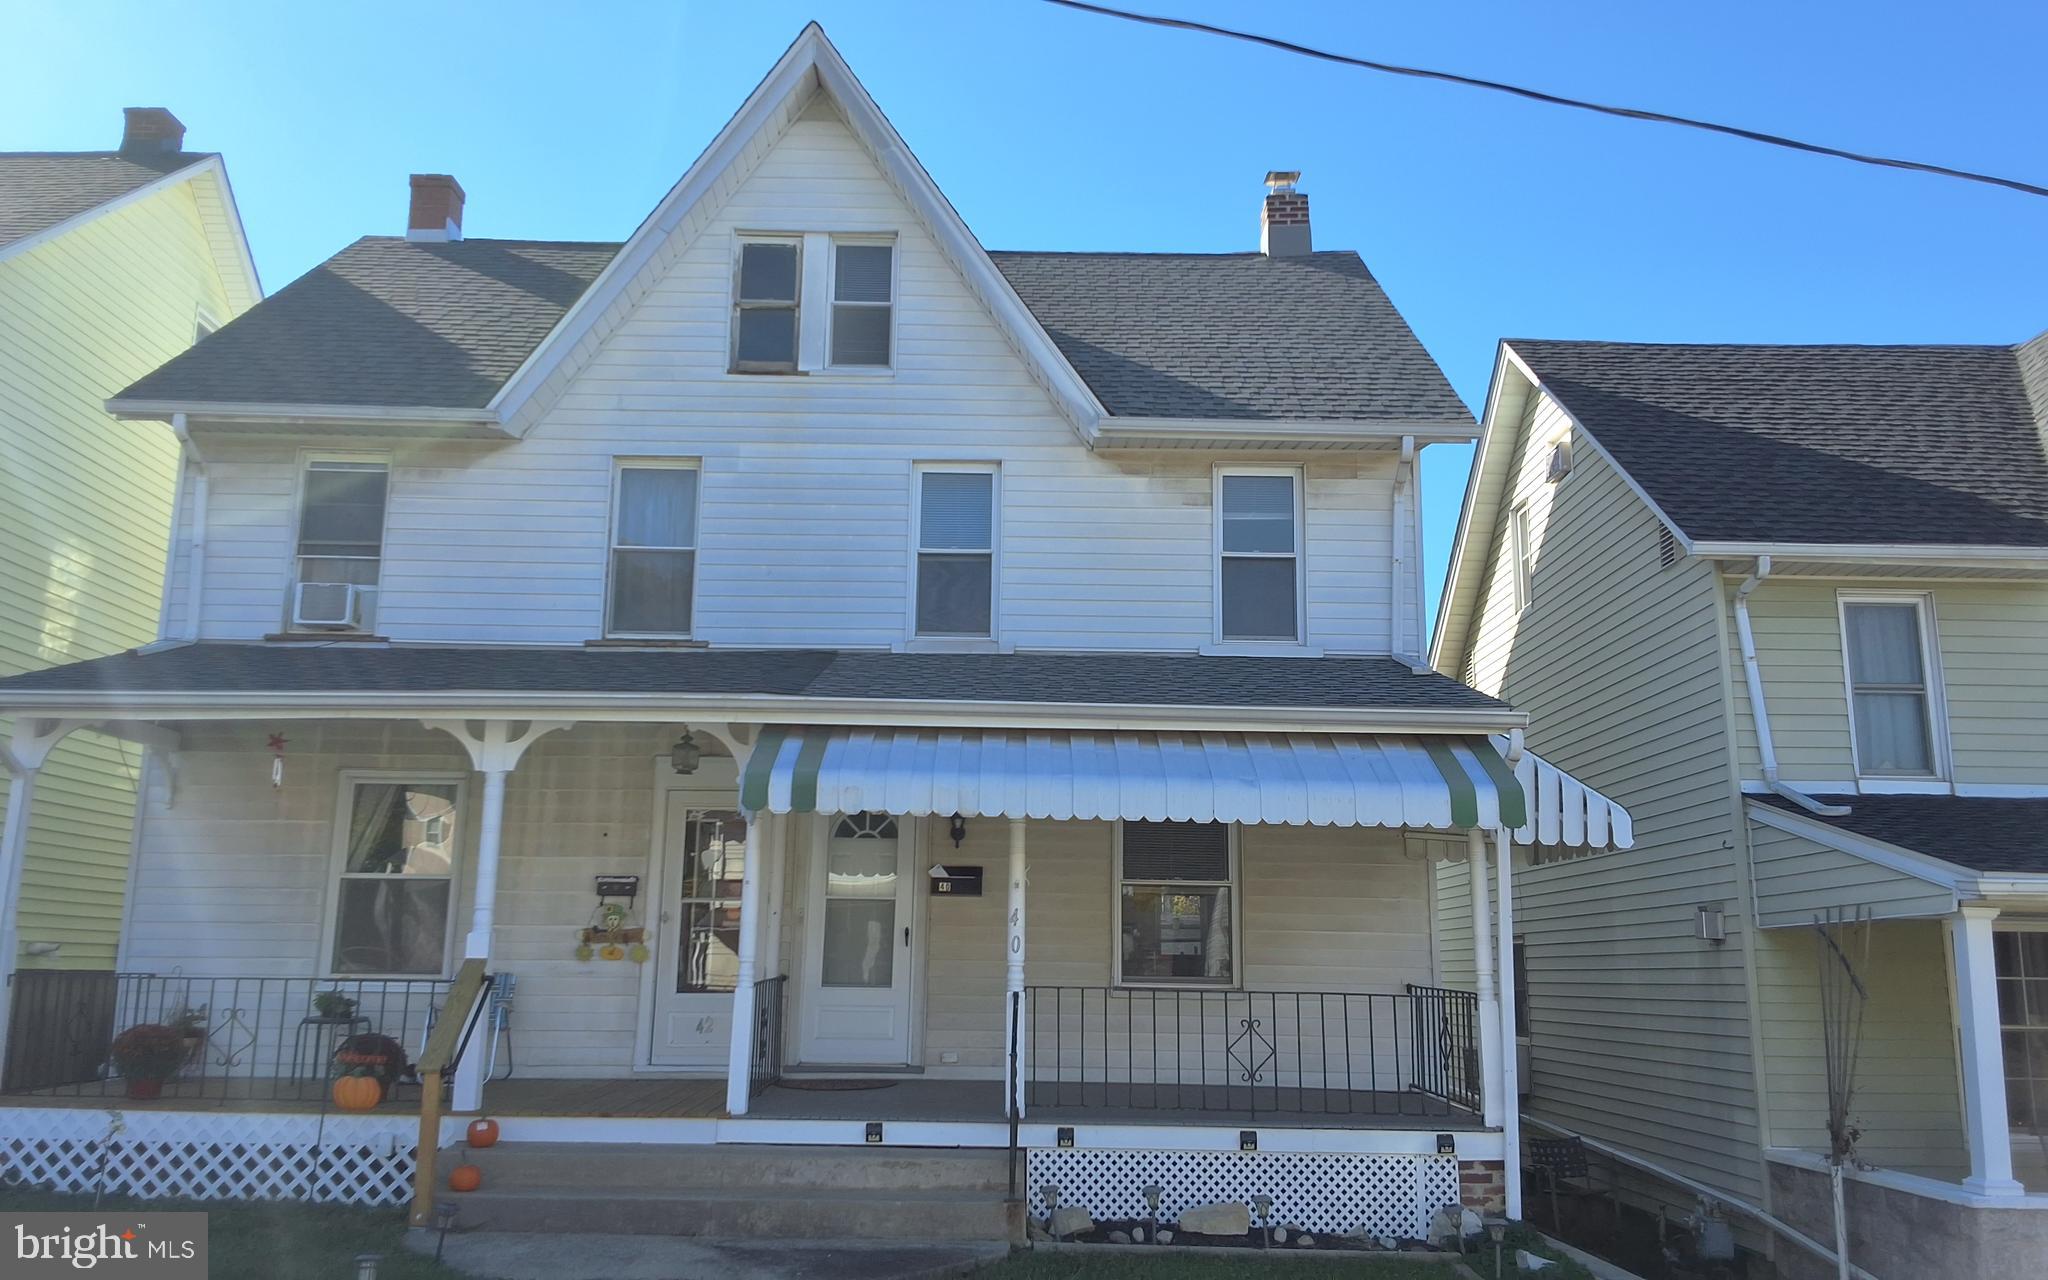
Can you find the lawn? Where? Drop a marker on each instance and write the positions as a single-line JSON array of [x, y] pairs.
[[272, 1240]]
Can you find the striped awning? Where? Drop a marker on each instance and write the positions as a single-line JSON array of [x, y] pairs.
[[1295, 779]]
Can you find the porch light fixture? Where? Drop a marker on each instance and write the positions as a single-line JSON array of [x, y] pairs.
[[685, 756], [957, 829]]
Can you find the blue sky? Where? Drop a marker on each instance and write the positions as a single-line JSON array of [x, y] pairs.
[[1484, 216]]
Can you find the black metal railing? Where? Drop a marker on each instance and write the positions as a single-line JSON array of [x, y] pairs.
[[1250, 1052], [215, 1039], [765, 1065], [1446, 1023]]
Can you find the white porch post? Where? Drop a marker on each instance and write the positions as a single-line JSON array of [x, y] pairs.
[[1013, 967], [773, 893], [740, 1056], [1510, 1072], [1984, 1115], [1482, 968]]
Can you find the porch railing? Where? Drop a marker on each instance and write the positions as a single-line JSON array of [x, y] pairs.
[[263, 1039], [765, 1063], [1250, 1052]]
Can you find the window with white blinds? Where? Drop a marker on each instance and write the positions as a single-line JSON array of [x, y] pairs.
[[956, 552], [1176, 904], [862, 294], [654, 550], [1258, 543], [1892, 708]]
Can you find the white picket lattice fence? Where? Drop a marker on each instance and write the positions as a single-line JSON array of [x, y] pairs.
[[1391, 1195], [211, 1155]]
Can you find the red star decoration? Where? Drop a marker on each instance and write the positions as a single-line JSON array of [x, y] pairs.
[[277, 741]]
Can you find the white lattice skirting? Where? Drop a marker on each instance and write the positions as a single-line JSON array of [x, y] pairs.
[[211, 1155], [1386, 1195]]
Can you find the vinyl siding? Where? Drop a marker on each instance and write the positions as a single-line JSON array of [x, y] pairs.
[[804, 528], [1798, 878], [89, 505], [1640, 1033]]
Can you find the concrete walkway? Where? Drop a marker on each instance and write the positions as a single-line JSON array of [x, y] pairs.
[[505, 1255]]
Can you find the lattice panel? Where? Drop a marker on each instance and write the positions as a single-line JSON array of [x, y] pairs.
[[211, 1155], [1386, 1195]]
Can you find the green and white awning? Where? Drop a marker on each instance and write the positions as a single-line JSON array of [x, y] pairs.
[[1290, 779]]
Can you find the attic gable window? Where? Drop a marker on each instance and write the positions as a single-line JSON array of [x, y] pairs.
[[765, 305], [814, 303], [862, 293]]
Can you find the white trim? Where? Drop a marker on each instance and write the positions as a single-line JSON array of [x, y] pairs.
[[941, 642], [1298, 478], [1910, 1183], [1933, 554], [621, 465], [1121, 432], [1911, 787], [287, 414], [1931, 692], [1235, 884], [346, 783]]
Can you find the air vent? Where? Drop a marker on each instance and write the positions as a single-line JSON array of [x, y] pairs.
[[1667, 548], [1560, 460]]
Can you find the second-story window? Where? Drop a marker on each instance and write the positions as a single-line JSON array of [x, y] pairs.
[[956, 524], [340, 545], [1258, 561], [764, 320], [1523, 548], [1892, 707], [654, 549], [861, 303]]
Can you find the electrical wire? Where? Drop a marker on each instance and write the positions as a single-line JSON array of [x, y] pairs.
[[1557, 100]]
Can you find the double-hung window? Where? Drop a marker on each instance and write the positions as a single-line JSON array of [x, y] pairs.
[[394, 883], [1258, 555], [2021, 960], [813, 302], [1176, 906], [1892, 703], [862, 300], [340, 544], [654, 549], [766, 290], [956, 552]]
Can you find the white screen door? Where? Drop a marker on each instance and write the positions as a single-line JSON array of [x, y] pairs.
[[856, 1005], [696, 942]]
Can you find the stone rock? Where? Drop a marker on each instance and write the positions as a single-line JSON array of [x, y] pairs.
[[1388, 1243], [1164, 1236], [1137, 1235], [1216, 1219], [1304, 1241], [1071, 1220], [1470, 1224], [1034, 1231], [1279, 1235], [1443, 1226], [1119, 1237], [1528, 1261]]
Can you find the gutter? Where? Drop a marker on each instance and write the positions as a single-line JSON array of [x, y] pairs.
[[195, 572], [1752, 676]]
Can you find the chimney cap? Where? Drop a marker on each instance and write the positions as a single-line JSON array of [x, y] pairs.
[[1282, 179], [151, 129]]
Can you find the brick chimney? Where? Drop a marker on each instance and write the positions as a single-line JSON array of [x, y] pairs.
[[150, 131], [1283, 222], [436, 213]]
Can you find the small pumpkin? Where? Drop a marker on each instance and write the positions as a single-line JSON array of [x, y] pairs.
[[465, 1177], [612, 951], [358, 1092], [483, 1132]]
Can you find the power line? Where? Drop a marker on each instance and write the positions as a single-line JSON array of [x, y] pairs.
[[1558, 100]]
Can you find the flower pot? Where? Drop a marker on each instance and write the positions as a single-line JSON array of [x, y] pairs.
[[145, 1088]]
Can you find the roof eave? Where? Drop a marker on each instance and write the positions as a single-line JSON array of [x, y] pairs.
[[1905, 553], [1120, 432], [481, 423]]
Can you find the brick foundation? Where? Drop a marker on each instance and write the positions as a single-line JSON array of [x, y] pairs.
[[1483, 1186]]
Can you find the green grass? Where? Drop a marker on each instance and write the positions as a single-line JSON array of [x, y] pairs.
[[1231, 1264], [272, 1240]]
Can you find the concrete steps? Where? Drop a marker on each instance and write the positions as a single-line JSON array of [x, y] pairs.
[[760, 1192]]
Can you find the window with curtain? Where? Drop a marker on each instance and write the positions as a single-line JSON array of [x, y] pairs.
[[341, 530], [1175, 898], [714, 853], [393, 892], [654, 551], [1259, 543], [861, 303], [1890, 708], [2021, 961], [956, 530], [764, 321]]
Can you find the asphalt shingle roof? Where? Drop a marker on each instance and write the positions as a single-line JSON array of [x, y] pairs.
[[1834, 444], [1991, 834], [388, 321], [39, 189], [1233, 335], [1148, 679]]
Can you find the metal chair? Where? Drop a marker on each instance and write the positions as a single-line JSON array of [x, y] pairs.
[[1558, 1159]]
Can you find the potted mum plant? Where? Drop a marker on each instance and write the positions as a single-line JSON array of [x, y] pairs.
[[146, 1055]]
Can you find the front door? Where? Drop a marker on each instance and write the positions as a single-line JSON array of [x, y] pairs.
[[859, 940], [697, 939]]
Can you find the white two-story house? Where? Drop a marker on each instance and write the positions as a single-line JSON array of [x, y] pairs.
[[798, 677]]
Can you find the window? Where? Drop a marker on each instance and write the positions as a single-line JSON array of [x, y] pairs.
[[861, 296], [394, 887], [956, 557], [1523, 548], [654, 550], [1176, 922], [203, 327], [2021, 960], [764, 322], [1258, 540], [341, 543], [862, 864], [714, 852], [1891, 709]]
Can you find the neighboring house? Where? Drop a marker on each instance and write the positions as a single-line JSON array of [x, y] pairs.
[[714, 632], [111, 262], [1790, 605]]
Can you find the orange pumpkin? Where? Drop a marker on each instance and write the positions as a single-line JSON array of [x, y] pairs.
[[358, 1093], [483, 1132], [465, 1177]]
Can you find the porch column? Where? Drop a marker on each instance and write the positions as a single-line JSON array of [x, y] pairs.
[[1013, 969], [1985, 1125], [1482, 968], [774, 892], [739, 1061], [1510, 1068]]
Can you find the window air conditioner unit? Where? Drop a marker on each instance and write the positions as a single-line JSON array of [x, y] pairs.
[[326, 604]]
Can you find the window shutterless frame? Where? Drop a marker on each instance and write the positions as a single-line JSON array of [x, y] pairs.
[[1298, 555], [1234, 884], [753, 296], [338, 872], [919, 550], [1930, 687], [1522, 568], [614, 545], [859, 296], [351, 567]]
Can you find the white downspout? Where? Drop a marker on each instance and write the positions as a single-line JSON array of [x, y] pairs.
[[195, 570], [1752, 676], [1510, 1033], [1406, 557]]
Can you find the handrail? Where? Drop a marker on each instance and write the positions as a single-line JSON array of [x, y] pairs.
[[444, 1046], [1013, 1084]]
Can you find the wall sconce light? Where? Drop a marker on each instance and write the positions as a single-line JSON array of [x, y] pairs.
[[686, 755], [1710, 925], [1446, 1145], [957, 829]]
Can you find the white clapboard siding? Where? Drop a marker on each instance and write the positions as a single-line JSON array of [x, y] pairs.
[[1798, 879], [804, 529]]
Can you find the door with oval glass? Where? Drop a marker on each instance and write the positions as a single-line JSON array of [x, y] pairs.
[[860, 941]]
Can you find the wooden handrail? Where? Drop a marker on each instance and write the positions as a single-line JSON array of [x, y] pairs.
[[435, 1060]]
